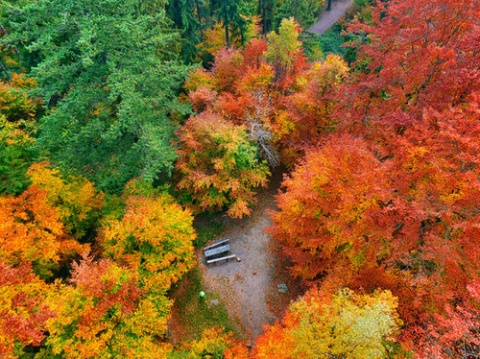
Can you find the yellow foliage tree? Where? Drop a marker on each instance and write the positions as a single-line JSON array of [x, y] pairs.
[[347, 326], [76, 199], [215, 343], [284, 47], [154, 237], [104, 314]]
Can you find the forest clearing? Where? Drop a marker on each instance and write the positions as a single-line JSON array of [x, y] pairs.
[[192, 179]]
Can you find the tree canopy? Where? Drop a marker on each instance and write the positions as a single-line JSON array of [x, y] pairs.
[[110, 85]]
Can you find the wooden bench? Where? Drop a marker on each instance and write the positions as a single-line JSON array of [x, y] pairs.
[[226, 258], [217, 251], [216, 244]]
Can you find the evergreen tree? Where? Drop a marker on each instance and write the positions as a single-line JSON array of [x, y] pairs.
[[109, 72], [187, 17]]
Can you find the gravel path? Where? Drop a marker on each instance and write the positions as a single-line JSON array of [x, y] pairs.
[[329, 18], [247, 286]]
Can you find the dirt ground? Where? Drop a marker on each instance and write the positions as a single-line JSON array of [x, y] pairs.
[[249, 286]]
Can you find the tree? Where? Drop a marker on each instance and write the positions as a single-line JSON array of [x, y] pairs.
[[327, 213], [23, 310], [310, 109], [186, 16], [346, 326], [31, 232], [18, 126], [78, 203], [329, 5], [284, 52], [266, 11], [15, 103], [154, 238], [105, 314], [108, 70], [413, 56], [214, 343], [219, 166], [16, 155], [305, 12], [231, 15], [350, 218]]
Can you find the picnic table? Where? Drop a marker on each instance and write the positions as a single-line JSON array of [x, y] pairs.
[[213, 252], [218, 252]]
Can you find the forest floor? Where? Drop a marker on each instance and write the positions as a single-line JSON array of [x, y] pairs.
[[247, 289]]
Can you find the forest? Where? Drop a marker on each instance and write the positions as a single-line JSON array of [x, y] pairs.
[[123, 122]]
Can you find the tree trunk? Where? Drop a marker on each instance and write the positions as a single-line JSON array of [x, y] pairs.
[[329, 5]]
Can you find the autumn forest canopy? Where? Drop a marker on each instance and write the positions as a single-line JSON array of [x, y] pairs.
[[122, 121]]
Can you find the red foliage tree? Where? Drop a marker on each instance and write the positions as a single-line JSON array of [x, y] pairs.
[[418, 55], [23, 310]]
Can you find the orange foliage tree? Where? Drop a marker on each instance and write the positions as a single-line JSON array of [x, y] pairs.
[[327, 214], [219, 166], [31, 231]]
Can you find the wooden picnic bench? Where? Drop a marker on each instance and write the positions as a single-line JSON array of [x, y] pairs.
[[226, 258], [218, 252], [216, 244]]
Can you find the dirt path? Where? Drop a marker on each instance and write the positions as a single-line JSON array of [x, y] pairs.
[[329, 18], [249, 287]]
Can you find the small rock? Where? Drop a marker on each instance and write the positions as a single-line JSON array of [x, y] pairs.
[[239, 259], [213, 302], [282, 288]]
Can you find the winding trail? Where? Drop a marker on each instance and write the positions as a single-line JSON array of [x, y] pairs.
[[328, 18], [247, 287]]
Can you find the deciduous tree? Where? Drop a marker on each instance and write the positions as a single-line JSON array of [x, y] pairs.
[[219, 166], [77, 201], [348, 326], [327, 213], [154, 238], [23, 309], [105, 314], [31, 231]]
